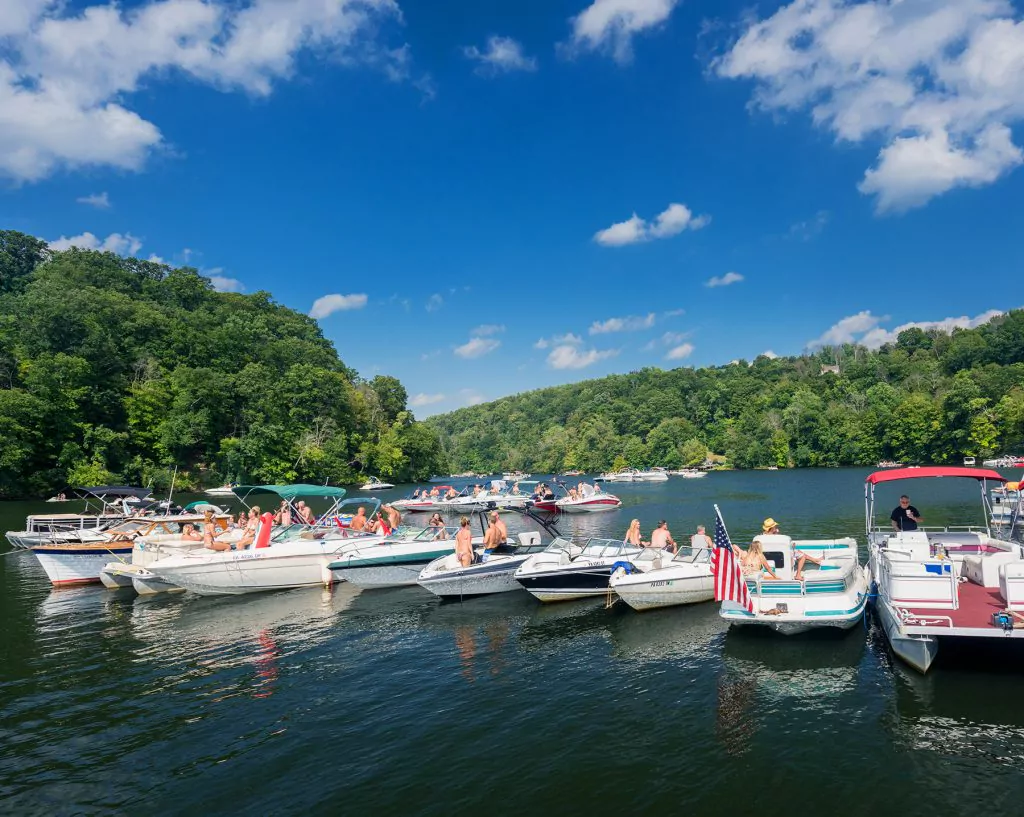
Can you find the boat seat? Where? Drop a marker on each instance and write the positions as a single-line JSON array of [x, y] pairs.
[[1011, 584], [984, 570]]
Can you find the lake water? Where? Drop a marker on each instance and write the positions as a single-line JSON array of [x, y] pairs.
[[389, 702]]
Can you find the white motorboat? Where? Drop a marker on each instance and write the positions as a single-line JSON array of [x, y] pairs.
[[296, 556], [943, 583], [650, 475], [515, 476], [374, 484], [494, 573], [657, 578], [224, 490], [593, 501], [969, 462], [395, 562], [625, 475], [692, 473], [426, 501], [832, 594], [570, 570], [152, 539]]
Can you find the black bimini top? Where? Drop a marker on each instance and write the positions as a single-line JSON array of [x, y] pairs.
[[116, 491]]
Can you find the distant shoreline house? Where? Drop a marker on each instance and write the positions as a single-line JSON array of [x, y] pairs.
[[830, 368]]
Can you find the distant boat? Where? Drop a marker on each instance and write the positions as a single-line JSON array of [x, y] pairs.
[[969, 462], [888, 464], [374, 484]]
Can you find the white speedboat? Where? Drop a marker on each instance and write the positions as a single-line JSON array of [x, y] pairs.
[[448, 578], [832, 594], [625, 475], [570, 570], [651, 475], [394, 562], [943, 583], [692, 473], [296, 556], [593, 502], [224, 490], [657, 578], [374, 484]]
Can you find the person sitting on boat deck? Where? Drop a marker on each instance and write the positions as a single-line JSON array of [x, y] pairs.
[[358, 522], [451, 494], [662, 538], [633, 535], [416, 494], [700, 540], [496, 536], [752, 560], [434, 493], [573, 493], [771, 528], [283, 516], [905, 516], [305, 512], [464, 543], [437, 523], [189, 533]]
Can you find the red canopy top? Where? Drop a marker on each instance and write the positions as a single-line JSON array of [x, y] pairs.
[[933, 471]]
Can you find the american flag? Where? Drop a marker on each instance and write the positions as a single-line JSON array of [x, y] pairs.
[[725, 567]]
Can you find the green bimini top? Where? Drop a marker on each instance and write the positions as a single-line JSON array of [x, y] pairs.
[[290, 492]]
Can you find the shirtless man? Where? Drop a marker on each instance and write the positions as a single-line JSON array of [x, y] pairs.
[[359, 520], [662, 538], [394, 517], [464, 543], [497, 534]]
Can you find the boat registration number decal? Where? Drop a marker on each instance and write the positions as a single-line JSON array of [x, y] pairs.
[[242, 557], [662, 583]]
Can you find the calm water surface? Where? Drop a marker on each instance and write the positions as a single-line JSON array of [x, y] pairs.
[[390, 702]]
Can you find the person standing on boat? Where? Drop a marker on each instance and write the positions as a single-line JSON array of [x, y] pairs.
[[394, 517], [497, 534], [464, 543], [358, 522], [905, 516], [661, 537]]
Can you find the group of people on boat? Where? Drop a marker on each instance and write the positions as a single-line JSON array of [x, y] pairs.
[[495, 540]]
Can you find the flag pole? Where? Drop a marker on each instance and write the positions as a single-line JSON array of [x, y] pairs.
[[718, 513]]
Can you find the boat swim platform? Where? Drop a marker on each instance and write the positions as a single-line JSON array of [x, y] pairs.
[[972, 619]]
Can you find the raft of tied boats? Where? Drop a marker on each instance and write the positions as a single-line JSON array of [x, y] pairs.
[[927, 584]]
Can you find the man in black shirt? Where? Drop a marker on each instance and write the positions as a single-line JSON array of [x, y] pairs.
[[906, 516]]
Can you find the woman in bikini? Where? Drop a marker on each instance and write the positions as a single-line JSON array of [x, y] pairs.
[[464, 543]]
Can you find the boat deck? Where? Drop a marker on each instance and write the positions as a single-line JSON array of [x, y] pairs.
[[973, 618]]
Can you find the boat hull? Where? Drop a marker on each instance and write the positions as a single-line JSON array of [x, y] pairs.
[[377, 572], [565, 585], [476, 580], [919, 651], [590, 506], [644, 592], [246, 572], [66, 566]]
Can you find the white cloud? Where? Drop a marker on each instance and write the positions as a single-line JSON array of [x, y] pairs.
[[101, 201], [222, 283], [768, 353], [477, 347], [940, 82], [471, 397], [573, 356], [329, 304], [434, 303], [680, 352], [420, 400], [488, 329], [542, 343], [674, 313], [67, 74], [848, 329], [671, 221], [126, 244], [609, 25], [877, 337], [724, 280], [631, 323], [501, 56]]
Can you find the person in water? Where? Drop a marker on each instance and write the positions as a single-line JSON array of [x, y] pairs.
[[464, 543]]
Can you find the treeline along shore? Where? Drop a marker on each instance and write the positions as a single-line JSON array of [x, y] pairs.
[[929, 397], [117, 369]]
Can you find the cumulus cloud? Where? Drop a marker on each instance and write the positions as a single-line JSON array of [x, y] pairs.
[[631, 323], [477, 347], [434, 303], [125, 244], [329, 304], [471, 397], [502, 55], [768, 353], [940, 82], [865, 329], [681, 352], [101, 201], [724, 280], [671, 221], [67, 73], [610, 25], [572, 355], [421, 400], [222, 283]]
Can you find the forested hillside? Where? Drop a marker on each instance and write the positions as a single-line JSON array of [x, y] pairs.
[[930, 397], [119, 369]]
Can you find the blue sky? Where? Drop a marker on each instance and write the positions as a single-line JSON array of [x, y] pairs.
[[482, 199]]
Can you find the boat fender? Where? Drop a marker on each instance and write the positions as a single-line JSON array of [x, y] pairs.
[[627, 567], [263, 535]]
